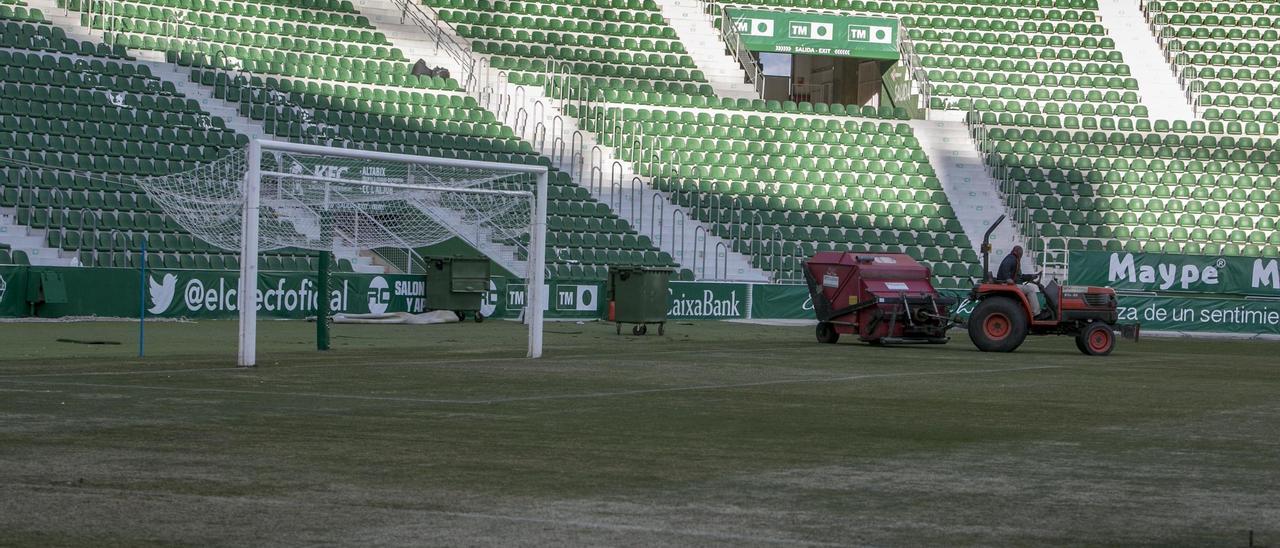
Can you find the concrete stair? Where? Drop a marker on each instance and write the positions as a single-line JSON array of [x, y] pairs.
[[181, 78], [703, 42], [974, 194], [1161, 93], [30, 241], [404, 33], [480, 238]]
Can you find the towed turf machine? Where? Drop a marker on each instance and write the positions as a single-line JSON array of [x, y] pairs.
[[883, 298], [1002, 319]]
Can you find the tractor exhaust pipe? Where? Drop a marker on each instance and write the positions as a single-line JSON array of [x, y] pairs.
[[986, 250]]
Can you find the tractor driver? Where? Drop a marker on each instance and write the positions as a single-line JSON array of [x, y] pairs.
[[1011, 271]]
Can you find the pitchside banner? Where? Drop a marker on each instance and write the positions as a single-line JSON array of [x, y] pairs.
[[781, 302], [201, 294], [1183, 273], [212, 295], [815, 34], [13, 291], [1204, 315]]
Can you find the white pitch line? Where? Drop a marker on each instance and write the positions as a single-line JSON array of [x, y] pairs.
[[272, 368], [568, 523], [588, 395], [629, 528], [763, 383]]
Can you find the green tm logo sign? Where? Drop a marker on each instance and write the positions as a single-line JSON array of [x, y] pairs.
[[812, 31], [580, 298], [871, 33]]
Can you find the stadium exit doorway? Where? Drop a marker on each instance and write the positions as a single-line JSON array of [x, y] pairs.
[[823, 79], [822, 58]]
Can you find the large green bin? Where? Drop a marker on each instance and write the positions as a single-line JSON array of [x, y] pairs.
[[639, 296], [457, 284]]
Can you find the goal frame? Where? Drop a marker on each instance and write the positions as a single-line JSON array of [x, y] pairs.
[[248, 284]]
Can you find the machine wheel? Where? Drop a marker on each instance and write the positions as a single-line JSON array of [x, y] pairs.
[[827, 333], [1096, 339], [479, 317], [998, 325], [639, 330]]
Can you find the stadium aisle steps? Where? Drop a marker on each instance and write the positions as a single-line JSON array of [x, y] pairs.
[[1228, 52], [1161, 92], [706, 48]]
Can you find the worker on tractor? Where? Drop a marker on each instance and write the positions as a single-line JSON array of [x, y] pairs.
[[1011, 272]]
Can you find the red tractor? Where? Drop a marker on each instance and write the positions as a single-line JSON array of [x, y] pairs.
[[1002, 318]]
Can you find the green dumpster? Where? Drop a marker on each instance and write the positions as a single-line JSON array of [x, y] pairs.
[[638, 296], [457, 284]]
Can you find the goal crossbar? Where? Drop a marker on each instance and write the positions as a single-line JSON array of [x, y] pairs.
[[251, 210], [427, 188]]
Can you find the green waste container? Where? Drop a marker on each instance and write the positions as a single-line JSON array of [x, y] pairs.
[[639, 296], [457, 284]]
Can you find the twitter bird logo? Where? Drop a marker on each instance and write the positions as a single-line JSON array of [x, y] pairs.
[[162, 293]]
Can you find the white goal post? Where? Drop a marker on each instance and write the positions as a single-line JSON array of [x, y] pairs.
[[274, 195]]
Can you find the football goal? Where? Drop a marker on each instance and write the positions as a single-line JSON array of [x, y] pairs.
[[278, 196]]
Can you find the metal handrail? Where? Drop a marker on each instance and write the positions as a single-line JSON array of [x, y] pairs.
[[700, 230], [97, 219], [678, 215], [715, 268], [1020, 216], [435, 27], [637, 200], [739, 52], [915, 67], [655, 220]]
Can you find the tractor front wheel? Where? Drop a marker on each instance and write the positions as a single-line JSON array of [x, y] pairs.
[[1096, 339], [998, 324], [827, 333]]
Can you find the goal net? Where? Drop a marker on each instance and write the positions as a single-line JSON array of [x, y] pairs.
[[274, 195]]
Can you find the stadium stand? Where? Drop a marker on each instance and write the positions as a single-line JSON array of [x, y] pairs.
[[601, 45], [1197, 188], [321, 39], [1048, 97], [1030, 63], [1227, 53], [328, 96], [783, 187], [77, 119]]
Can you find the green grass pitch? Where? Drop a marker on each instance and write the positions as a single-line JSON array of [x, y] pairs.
[[716, 434]]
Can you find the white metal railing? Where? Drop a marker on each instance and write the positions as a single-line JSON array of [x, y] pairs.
[[813, 93], [1175, 55], [738, 50], [1020, 215], [401, 260], [443, 38], [1054, 260], [544, 124], [914, 67]]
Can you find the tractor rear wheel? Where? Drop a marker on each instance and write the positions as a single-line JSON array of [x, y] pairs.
[[998, 324], [1096, 339], [827, 333]]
